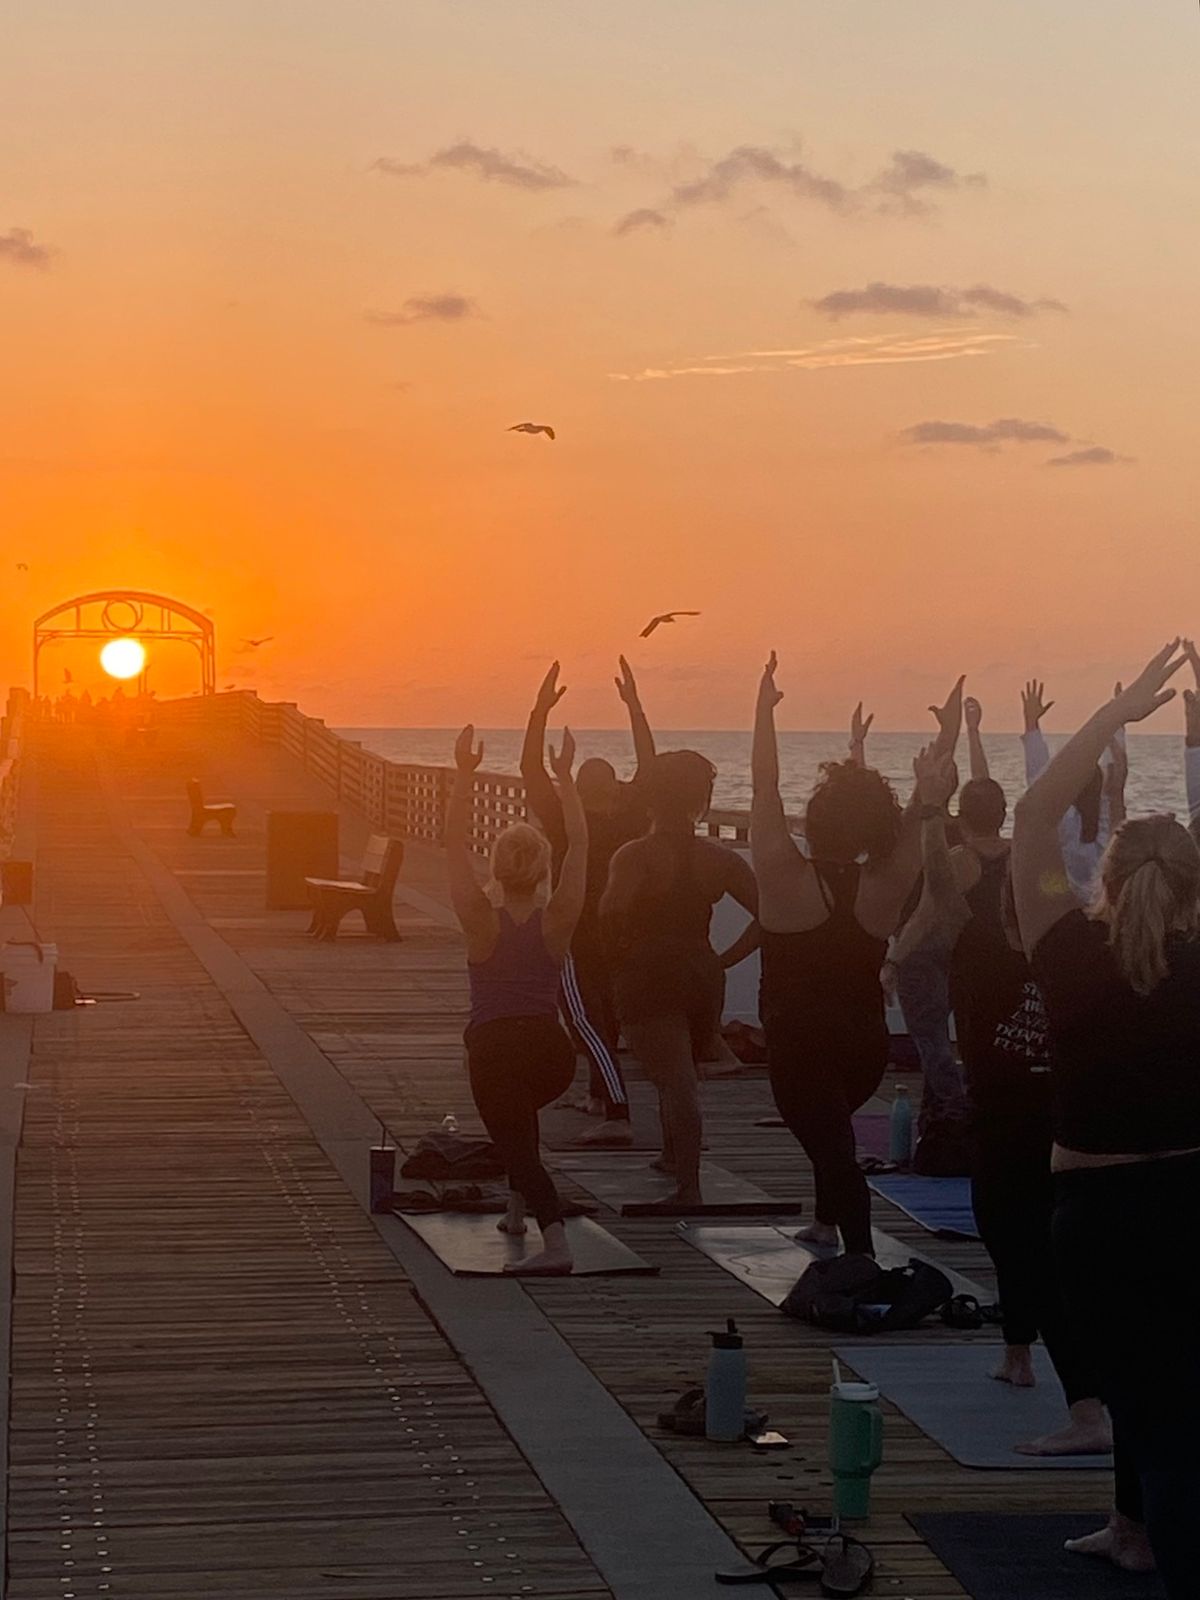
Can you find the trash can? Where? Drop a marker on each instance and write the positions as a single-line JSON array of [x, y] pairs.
[[28, 970], [300, 844]]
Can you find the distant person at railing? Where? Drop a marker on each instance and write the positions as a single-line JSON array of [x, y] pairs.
[[670, 982], [826, 922], [520, 1057], [616, 813]]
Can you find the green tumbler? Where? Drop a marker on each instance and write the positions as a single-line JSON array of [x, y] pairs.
[[855, 1445]]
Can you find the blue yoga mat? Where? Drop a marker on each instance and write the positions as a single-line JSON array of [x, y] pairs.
[[940, 1205]]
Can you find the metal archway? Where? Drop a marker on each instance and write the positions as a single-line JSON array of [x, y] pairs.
[[134, 614]]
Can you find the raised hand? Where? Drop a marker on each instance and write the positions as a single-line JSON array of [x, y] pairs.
[[627, 684], [1191, 711], [466, 756], [1034, 704], [1188, 647], [767, 691], [860, 728], [549, 693], [563, 759], [949, 715], [936, 775], [1148, 690], [972, 714]]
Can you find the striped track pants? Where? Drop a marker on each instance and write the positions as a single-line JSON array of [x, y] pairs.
[[587, 1031]]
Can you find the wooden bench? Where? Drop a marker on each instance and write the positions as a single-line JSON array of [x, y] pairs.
[[372, 894], [223, 813]]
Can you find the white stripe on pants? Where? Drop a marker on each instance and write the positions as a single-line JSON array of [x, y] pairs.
[[592, 1042]]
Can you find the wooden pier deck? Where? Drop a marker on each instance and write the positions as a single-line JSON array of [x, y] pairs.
[[223, 1382]]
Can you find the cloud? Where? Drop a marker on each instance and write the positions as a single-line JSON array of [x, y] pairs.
[[485, 162], [19, 248], [754, 163], [1006, 430], [425, 308], [910, 173], [929, 300], [874, 350], [1095, 455], [644, 217]]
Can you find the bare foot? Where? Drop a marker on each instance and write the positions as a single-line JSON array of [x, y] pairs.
[[513, 1220], [545, 1264], [663, 1164], [824, 1234], [610, 1134], [1076, 1439], [1017, 1369], [1122, 1542], [594, 1107], [515, 1228]]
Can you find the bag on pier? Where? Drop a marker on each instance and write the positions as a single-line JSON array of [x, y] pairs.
[[853, 1294], [450, 1156]]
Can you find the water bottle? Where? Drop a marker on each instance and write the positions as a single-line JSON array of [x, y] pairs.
[[450, 1123], [900, 1144], [855, 1445], [725, 1387]]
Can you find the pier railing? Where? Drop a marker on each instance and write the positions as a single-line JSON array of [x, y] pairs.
[[408, 802]]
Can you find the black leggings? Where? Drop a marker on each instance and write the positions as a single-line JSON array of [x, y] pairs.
[[818, 1084], [1123, 1238], [517, 1066], [1012, 1191]]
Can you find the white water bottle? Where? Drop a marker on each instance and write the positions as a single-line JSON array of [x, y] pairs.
[[725, 1387]]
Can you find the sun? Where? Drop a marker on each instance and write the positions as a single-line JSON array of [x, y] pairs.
[[123, 658]]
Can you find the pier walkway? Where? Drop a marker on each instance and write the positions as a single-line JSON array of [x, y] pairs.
[[229, 1380]]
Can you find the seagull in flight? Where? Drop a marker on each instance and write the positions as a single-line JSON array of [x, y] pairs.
[[253, 644], [532, 427], [667, 616], [22, 566]]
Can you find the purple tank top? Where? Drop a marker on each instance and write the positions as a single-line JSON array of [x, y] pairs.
[[520, 978]]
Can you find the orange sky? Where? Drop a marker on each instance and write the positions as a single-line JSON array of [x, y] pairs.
[[231, 370]]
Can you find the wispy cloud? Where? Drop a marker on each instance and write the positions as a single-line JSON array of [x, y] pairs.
[[929, 300], [519, 171], [987, 435], [755, 163], [425, 308], [876, 350], [1096, 455], [911, 175], [18, 248], [639, 220]]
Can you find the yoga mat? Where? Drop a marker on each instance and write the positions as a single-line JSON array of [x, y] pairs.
[[1011, 1557], [942, 1206], [561, 1126], [945, 1389], [473, 1247], [631, 1186], [769, 1261]]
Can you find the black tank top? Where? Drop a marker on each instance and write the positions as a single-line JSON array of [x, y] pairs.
[[987, 976], [826, 977], [674, 915]]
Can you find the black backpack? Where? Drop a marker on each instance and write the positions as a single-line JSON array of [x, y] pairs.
[[853, 1294], [944, 1150]]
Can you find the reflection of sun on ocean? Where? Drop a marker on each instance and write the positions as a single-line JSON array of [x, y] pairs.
[[123, 658]]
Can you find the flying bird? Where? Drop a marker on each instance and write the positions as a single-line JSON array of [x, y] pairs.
[[22, 566], [667, 616], [532, 427], [253, 644]]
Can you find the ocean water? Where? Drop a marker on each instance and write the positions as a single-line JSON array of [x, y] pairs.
[[1156, 781]]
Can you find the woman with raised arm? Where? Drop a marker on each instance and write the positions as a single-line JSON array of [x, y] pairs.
[[1121, 988], [670, 982], [519, 1056], [825, 926]]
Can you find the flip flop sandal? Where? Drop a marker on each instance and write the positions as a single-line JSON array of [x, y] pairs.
[[962, 1312], [801, 1562], [846, 1567], [686, 1416]]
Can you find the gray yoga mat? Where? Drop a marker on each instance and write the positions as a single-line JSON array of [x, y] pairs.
[[630, 1185], [1021, 1557], [767, 1259], [473, 1247], [945, 1389]]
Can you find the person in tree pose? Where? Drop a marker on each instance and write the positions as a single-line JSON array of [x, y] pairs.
[[1121, 987], [616, 813], [826, 921], [519, 1056], [670, 982]]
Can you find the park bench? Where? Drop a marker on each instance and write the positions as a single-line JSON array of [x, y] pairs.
[[371, 894], [223, 813]]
